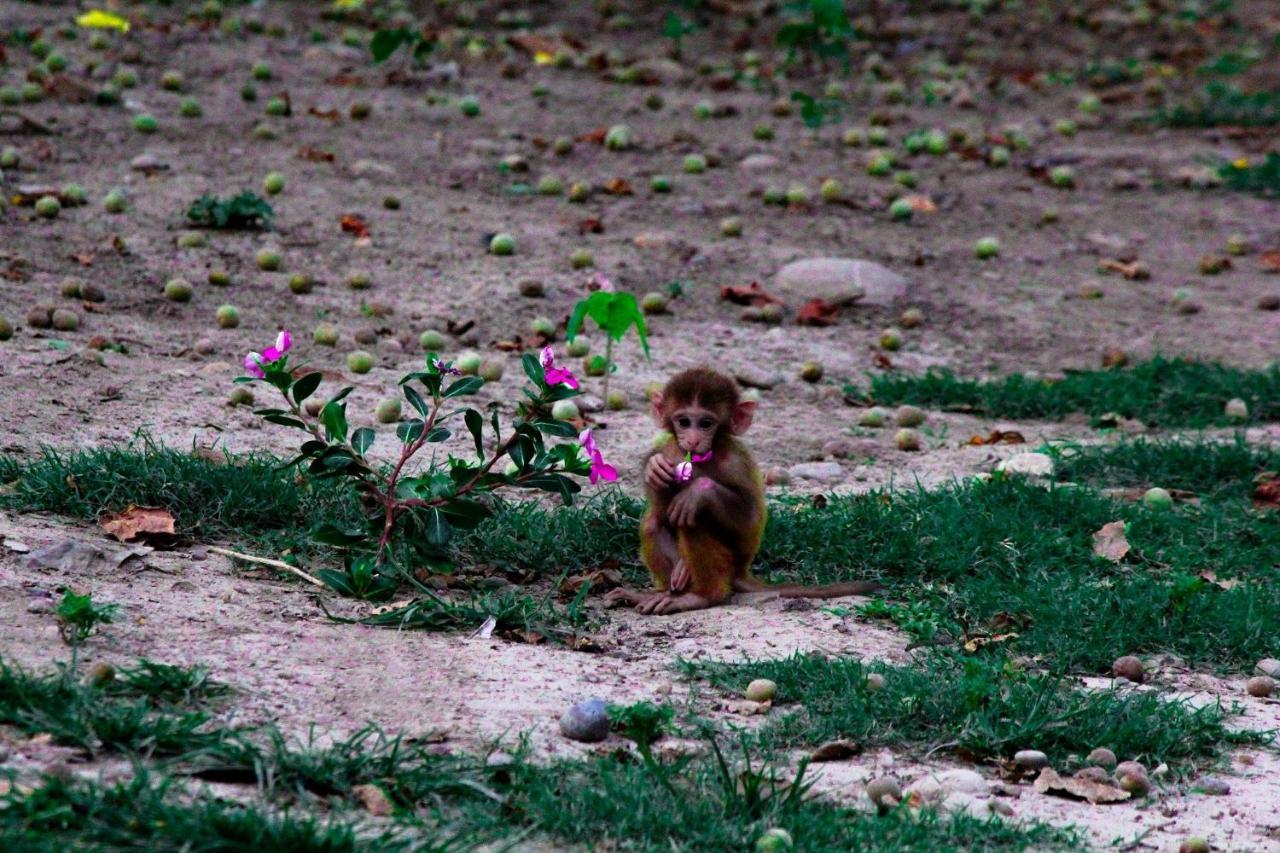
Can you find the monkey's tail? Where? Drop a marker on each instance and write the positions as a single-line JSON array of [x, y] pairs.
[[795, 590]]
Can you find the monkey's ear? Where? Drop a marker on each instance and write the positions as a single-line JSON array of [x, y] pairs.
[[743, 414], [655, 399]]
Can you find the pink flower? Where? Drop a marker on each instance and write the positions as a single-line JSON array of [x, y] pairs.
[[599, 469], [684, 470], [445, 368], [600, 281], [556, 375], [255, 361], [284, 340], [253, 364]]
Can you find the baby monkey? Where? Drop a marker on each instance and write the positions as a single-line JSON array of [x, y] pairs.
[[706, 512]]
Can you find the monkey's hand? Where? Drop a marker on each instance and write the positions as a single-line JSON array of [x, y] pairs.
[[683, 511], [659, 472]]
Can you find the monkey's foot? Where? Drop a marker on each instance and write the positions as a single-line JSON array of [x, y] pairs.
[[678, 603], [621, 597]]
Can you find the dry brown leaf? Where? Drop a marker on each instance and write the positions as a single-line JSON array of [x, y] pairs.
[[1269, 262], [998, 436], [748, 294], [1212, 577], [374, 800], [352, 224], [315, 155], [1110, 541], [1049, 782], [1135, 271], [139, 522], [330, 114], [601, 579], [1266, 491], [618, 186], [817, 312], [974, 643], [747, 708], [836, 750], [591, 225], [921, 204]]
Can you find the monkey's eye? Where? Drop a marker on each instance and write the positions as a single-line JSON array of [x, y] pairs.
[[706, 424], [683, 422]]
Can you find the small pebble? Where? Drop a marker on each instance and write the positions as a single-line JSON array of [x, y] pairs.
[[1031, 759], [1129, 667], [587, 721], [1214, 786], [1102, 757], [1260, 686]]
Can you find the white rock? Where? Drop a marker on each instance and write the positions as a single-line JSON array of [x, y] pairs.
[[934, 787], [759, 163], [1268, 666], [371, 169], [840, 281], [1028, 465], [823, 472], [962, 803]]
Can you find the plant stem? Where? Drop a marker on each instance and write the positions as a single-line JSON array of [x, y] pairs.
[[608, 365]]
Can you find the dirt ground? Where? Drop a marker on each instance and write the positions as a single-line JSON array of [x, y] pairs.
[[427, 262]]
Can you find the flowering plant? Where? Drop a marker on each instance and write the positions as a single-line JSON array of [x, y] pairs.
[[422, 506]]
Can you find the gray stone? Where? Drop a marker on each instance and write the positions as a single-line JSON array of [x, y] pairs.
[[1268, 666], [1214, 786], [935, 787], [840, 281], [751, 378], [147, 162], [372, 169], [1028, 465], [587, 721], [823, 472], [759, 163], [1031, 759], [662, 70]]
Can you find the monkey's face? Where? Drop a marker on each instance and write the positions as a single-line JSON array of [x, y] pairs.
[[694, 428]]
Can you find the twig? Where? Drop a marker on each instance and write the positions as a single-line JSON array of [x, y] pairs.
[[946, 745], [266, 561]]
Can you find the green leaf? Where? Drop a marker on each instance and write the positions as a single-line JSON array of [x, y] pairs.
[[386, 42], [438, 434], [362, 440], [410, 430], [334, 418], [328, 534], [415, 400], [557, 429], [475, 425], [435, 526], [465, 385], [533, 367], [306, 386], [341, 395], [284, 420], [466, 514], [338, 581]]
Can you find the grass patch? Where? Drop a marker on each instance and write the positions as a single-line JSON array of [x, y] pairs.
[[1262, 178], [708, 801], [977, 554], [1164, 392], [146, 813], [141, 713], [223, 495], [1218, 470], [1225, 105], [983, 707]]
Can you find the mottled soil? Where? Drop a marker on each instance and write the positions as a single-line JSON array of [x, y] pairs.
[[427, 262]]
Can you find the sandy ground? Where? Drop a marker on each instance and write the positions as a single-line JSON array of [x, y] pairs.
[[428, 268]]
